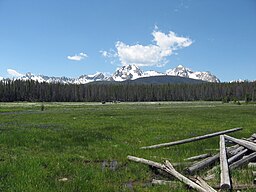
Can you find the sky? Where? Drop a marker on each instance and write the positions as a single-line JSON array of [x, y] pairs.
[[76, 37]]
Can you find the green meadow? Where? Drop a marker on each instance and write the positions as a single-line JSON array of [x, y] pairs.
[[84, 146]]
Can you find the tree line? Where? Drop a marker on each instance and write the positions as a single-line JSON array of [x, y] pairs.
[[34, 91]]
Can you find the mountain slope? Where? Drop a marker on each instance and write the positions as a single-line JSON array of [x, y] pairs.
[[128, 72], [185, 72], [164, 79], [125, 73]]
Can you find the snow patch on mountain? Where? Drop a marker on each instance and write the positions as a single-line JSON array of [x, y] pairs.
[[128, 72], [182, 71], [151, 73]]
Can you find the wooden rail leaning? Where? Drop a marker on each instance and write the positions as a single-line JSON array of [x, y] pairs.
[[225, 182], [247, 144], [168, 168], [192, 139]]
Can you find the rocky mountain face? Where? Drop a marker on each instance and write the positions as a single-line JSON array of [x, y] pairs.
[[129, 72], [182, 71], [132, 72]]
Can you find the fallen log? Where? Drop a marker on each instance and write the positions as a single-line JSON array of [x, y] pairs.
[[163, 182], [237, 156], [252, 165], [211, 160], [243, 161], [244, 143], [239, 187], [202, 164], [182, 178], [234, 187], [147, 162], [205, 185], [202, 156], [191, 139], [225, 182], [167, 167]]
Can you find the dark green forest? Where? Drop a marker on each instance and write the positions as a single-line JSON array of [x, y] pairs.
[[19, 90]]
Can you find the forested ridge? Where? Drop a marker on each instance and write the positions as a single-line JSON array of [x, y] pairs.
[[19, 90]]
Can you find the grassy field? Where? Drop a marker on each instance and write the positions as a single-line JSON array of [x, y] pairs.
[[84, 146]]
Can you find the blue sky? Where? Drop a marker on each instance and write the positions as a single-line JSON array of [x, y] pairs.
[[71, 38]]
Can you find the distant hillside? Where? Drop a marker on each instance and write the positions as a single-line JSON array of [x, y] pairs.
[[162, 79], [165, 80]]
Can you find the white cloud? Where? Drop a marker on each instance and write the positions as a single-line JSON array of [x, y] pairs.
[[139, 55], [108, 54], [154, 54], [78, 57], [14, 73]]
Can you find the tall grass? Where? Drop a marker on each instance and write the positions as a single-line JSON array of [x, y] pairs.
[[83, 146]]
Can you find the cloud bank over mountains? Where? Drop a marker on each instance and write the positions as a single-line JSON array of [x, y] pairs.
[[155, 54]]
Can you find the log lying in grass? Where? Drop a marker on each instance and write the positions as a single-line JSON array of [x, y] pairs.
[[252, 165], [237, 156], [191, 139], [202, 164], [172, 184], [244, 143], [225, 182], [147, 162], [205, 185], [163, 182], [239, 187], [182, 178], [243, 161], [211, 160], [202, 156], [167, 167]]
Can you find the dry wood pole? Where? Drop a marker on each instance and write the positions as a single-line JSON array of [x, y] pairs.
[[211, 160], [167, 167], [244, 143], [147, 162], [205, 185], [202, 156], [225, 182], [243, 161], [237, 156], [163, 182], [182, 178], [252, 165], [202, 164], [191, 139]]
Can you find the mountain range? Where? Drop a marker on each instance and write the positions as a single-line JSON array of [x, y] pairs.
[[128, 72]]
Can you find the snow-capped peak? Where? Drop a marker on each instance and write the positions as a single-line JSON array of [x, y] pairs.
[[180, 71], [128, 72], [186, 72]]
